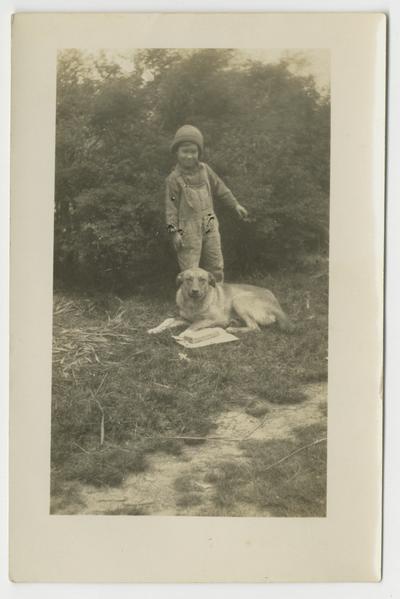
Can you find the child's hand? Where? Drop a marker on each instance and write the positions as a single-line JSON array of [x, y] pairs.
[[241, 212], [177, 241]]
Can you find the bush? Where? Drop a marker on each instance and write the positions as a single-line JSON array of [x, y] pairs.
[[112, 238], [270, 145]]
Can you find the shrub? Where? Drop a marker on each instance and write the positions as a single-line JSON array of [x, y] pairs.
[[270, 145]]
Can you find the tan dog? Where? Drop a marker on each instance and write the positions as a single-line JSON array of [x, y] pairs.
[[203, 303]]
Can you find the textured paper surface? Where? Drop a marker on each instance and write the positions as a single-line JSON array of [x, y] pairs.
[[344, 546]]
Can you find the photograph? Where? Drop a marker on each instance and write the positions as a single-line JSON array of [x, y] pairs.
[[191, 282]]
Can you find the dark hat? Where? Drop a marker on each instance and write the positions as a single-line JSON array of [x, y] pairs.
[[188, 133]]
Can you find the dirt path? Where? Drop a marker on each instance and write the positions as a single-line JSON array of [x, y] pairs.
[[156, 491]]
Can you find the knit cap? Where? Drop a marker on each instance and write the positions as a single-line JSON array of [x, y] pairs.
[[188, 133]]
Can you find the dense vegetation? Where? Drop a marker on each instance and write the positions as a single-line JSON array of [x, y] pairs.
[[267, 133]]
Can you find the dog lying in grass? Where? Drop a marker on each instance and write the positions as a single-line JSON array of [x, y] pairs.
[[203, 303]]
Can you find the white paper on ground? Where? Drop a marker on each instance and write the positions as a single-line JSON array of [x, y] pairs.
[[222, 337]]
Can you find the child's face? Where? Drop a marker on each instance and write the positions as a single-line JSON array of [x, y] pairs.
[[187, 155]]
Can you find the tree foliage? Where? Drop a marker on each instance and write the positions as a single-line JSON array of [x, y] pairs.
[[267, 134]]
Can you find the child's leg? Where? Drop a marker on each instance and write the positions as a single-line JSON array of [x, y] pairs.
[[212, 258], [189, 254]]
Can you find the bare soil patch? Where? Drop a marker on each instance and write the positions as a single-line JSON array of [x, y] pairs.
[[180, 485]]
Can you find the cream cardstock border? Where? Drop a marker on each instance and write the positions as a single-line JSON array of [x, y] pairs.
[[344, 546]]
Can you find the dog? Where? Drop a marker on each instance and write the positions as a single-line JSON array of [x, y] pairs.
[[203, 303]]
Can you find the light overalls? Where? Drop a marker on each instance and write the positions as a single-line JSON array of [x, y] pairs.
[[199, 228]]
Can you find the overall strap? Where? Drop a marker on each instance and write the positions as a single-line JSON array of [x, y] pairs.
[[186, 186], [181, 180], [204, 166]]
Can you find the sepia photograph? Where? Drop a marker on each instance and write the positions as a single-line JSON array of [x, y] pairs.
[[191, 278], [196, 297]]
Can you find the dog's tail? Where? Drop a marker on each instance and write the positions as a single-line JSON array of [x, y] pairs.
[[284, 323]]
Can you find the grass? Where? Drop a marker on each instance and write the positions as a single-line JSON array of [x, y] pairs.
[[107, 467], [64, 495], [119, 394], [187, 489], [257, 408], [285, 478], [189, 499], [127, 510]]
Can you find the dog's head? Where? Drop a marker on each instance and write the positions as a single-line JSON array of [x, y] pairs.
[[195, 282]]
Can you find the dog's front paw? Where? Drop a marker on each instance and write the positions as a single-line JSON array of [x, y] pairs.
[[154, 331]]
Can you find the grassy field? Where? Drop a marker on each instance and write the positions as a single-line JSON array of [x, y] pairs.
[[120, 395]]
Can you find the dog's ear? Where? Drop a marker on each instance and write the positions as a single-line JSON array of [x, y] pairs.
[[211, 279], [179, 279]]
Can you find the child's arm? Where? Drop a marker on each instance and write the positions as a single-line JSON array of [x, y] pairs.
[[171, 212], [224, 194]]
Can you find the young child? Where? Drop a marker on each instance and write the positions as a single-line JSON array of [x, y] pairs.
[[190, 190]]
